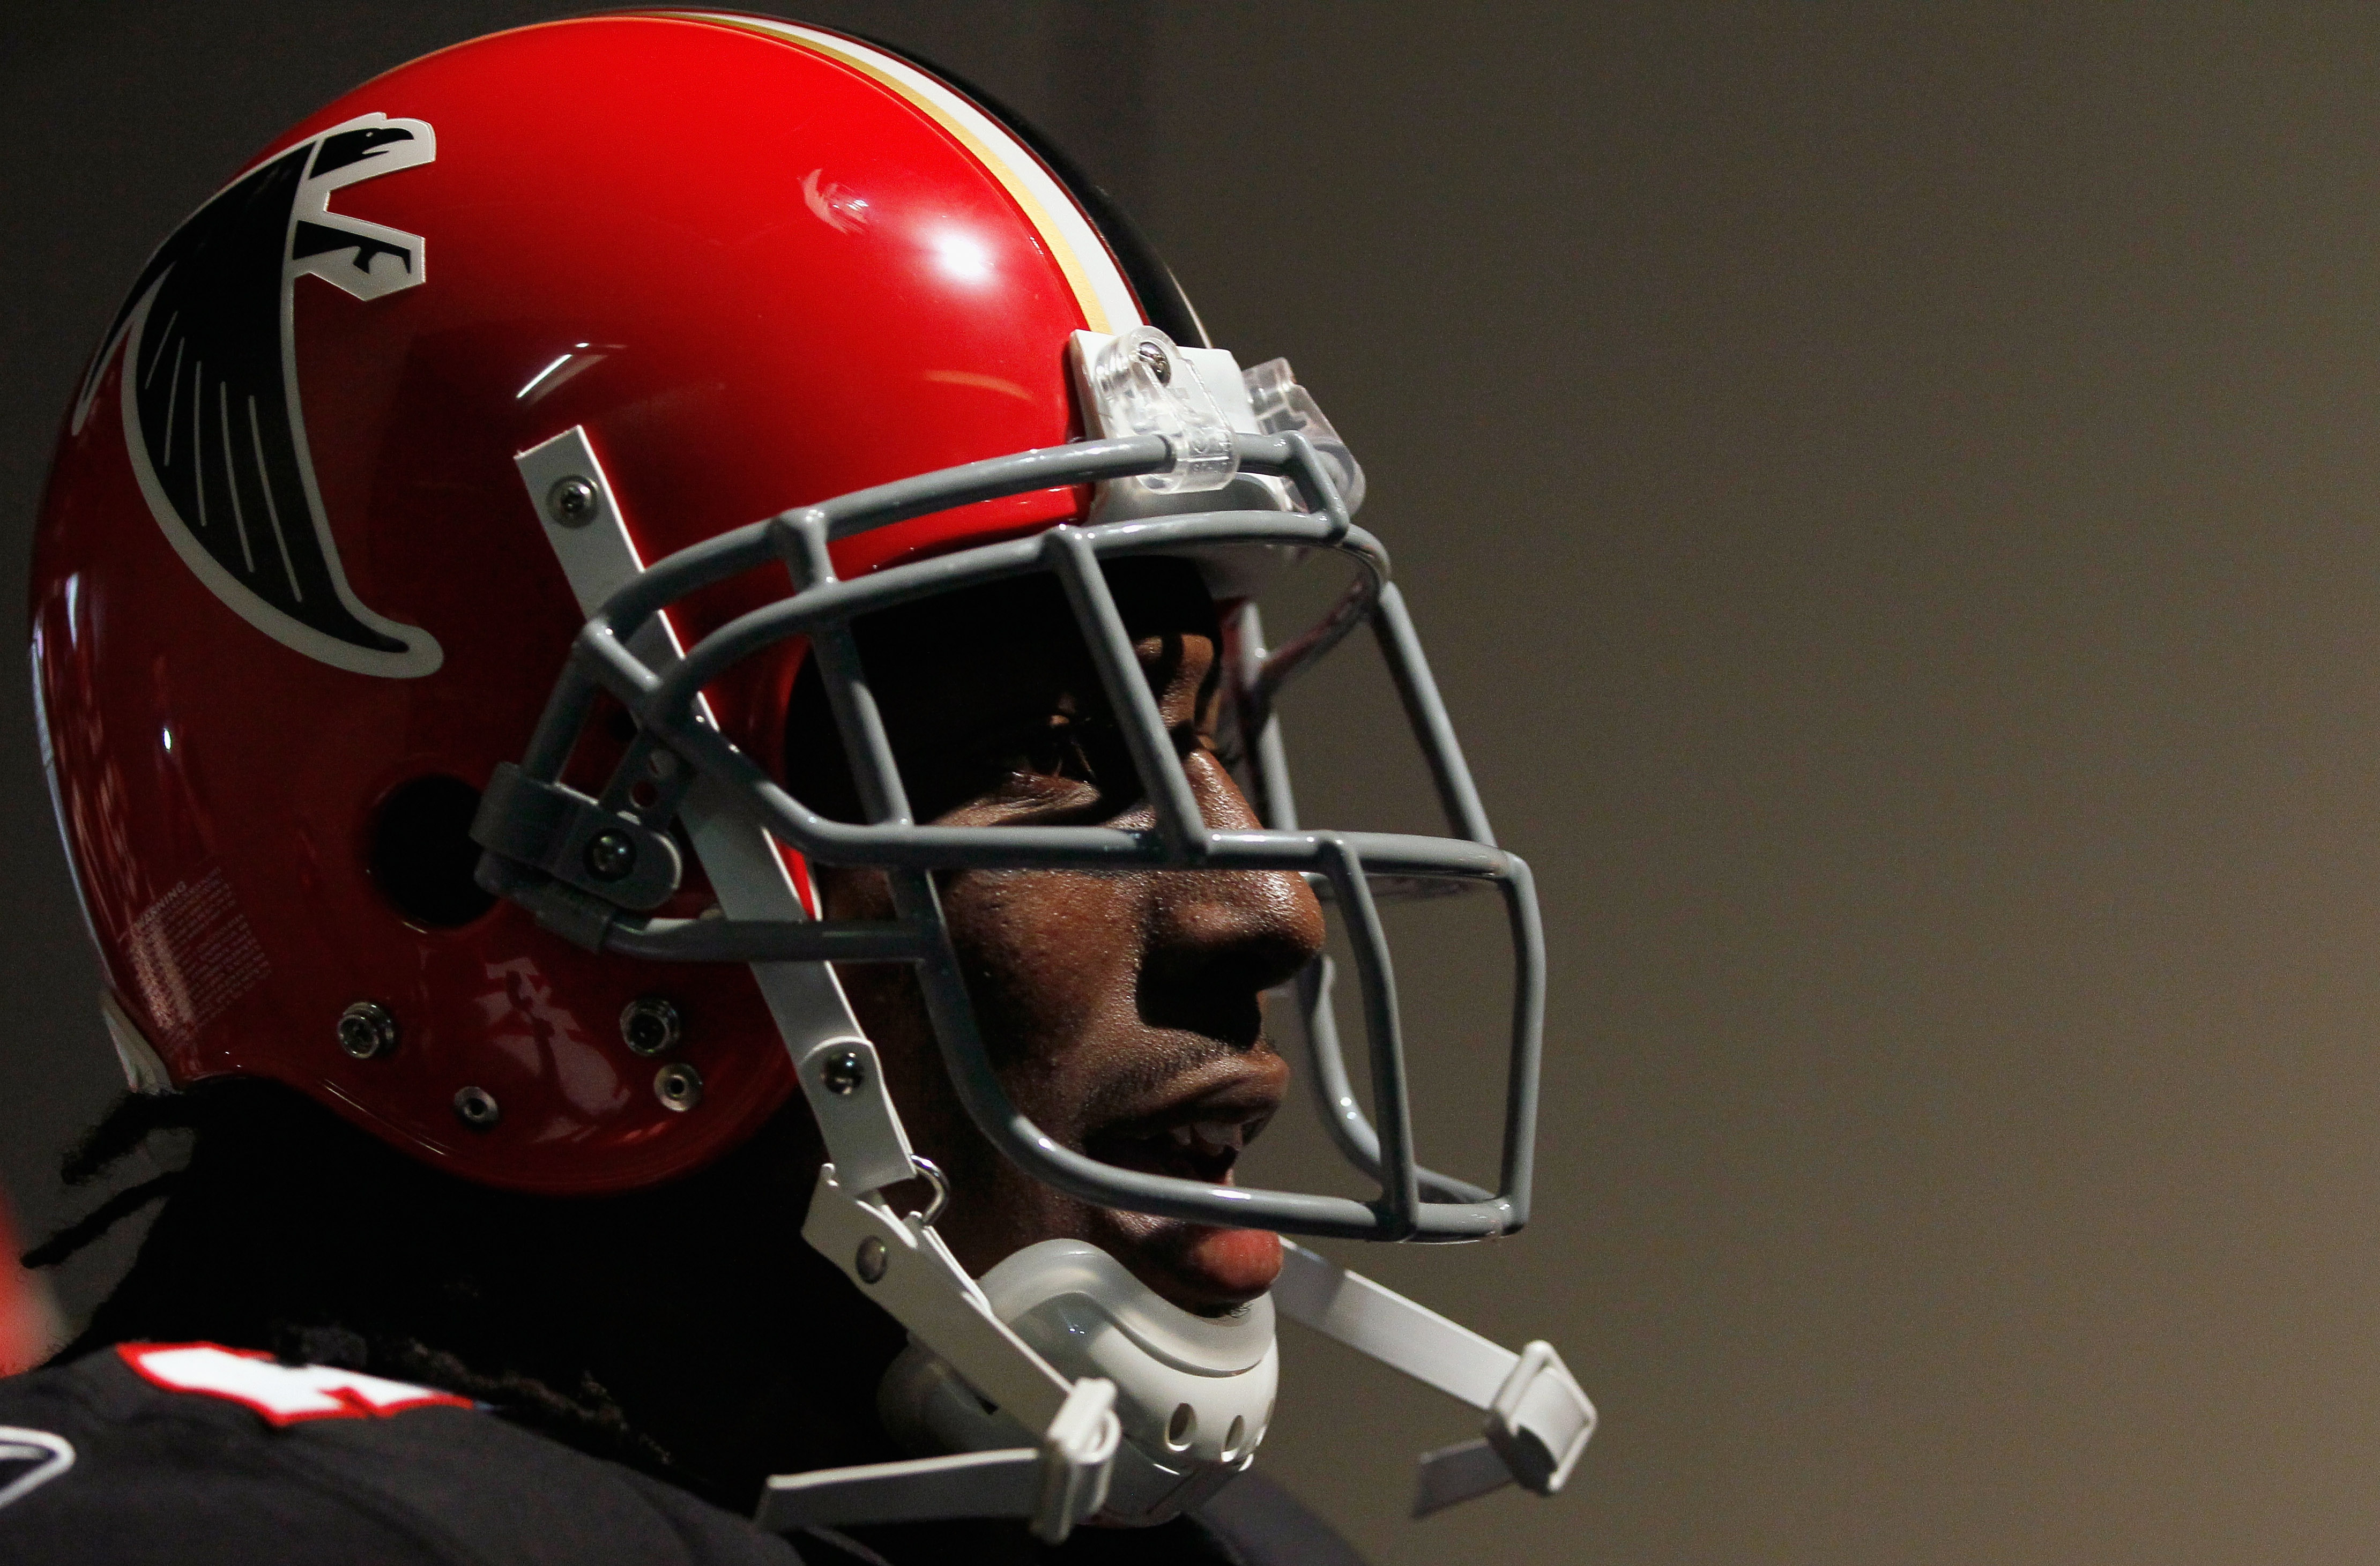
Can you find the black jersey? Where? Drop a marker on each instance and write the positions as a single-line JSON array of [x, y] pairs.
[[196, 1455]]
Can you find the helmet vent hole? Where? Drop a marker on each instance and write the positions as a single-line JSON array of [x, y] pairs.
[[1182, 1428], [422, 854], [1234, 1435]]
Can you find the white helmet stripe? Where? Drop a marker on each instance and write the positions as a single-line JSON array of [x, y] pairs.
[[1100, 291]]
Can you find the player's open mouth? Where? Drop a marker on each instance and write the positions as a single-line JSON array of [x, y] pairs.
[[1198, 1125], [1201, 1149]]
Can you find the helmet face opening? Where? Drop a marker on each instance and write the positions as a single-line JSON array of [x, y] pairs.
[[592, 864]]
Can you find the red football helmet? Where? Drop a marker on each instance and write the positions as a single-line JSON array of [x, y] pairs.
[[438, 488], [293, 605], [277, 635]]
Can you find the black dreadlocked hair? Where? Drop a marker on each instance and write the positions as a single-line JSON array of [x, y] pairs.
[[291, 1231], [257, 1252]]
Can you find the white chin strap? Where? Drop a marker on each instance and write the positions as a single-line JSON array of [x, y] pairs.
[[1059, 1389], [1004, 1376]]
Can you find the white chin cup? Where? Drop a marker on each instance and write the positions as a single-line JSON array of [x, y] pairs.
[[1194, 1394]]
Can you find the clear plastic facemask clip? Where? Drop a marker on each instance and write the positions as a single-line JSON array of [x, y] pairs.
[[1142, 384], [1281, 406]]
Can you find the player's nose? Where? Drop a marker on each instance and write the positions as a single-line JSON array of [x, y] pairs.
[[1242, 931]]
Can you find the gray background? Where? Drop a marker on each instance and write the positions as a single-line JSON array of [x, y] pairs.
[[1891, 492]]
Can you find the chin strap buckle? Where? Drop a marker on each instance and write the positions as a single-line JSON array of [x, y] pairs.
[[1538, 1420], [1076, 1458], [1055, 1486]]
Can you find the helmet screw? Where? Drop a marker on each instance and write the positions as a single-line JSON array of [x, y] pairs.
[[1159, 365], [571, 501], [611, 855], [870, 1259], [678, 1085], [650, 1026], [843, 1073], [476, 1106], [366, 1030]]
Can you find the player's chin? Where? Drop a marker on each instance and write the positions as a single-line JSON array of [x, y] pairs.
[[1197, 1265]]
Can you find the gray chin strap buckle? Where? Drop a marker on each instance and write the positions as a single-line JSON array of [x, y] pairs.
[[1055, 1486]]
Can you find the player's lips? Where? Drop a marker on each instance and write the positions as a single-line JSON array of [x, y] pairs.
[[1199, 1135], [1197, 1129]]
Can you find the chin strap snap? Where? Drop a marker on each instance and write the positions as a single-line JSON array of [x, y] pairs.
[[1538, 1420]]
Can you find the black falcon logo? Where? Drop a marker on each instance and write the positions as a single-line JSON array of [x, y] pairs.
[[212, 414]]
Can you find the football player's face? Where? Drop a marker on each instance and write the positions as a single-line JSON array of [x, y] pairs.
[[1121, 1009]]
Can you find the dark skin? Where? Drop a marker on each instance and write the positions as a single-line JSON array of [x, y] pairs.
[[1122, 1010]]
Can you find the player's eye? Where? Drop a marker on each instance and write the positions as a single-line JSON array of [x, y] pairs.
[[1071, 748], [1054, 750]]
